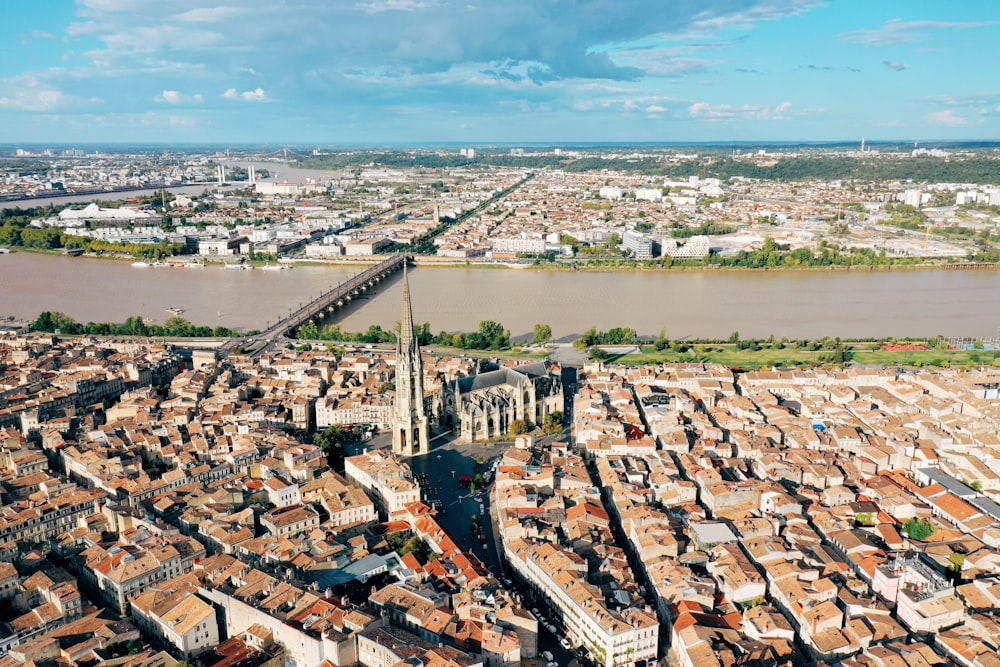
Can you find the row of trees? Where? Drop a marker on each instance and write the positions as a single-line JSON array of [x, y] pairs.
[[20, 235], [173, 327], [614, 336], [490, 335]]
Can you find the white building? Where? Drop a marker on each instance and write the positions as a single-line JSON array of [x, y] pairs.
[[640, 244], [182, 620], [281, 493], [695, 247], [385, 479], [912, 198], [611, 192], [649, 194], [375, 410], [522, 245], [285, 188]]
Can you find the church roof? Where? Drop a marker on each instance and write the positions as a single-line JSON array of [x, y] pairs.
[[489, 379], [533, 369]]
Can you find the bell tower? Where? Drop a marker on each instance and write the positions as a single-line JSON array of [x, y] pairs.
[[409, 420]]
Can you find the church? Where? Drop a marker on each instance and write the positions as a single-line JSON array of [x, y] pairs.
[[477, 407]]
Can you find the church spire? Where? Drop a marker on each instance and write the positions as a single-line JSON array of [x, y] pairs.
[[406, 323], [409, 428]]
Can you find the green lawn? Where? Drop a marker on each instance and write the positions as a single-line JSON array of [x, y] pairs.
[[863, 353]]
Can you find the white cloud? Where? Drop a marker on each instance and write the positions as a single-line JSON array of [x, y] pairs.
[[655, 108], [255, 95], [208, 14], [897, 31], [725, 112], [947, 117], [177, 97], [899, 67], [379, 6], [28, 92]]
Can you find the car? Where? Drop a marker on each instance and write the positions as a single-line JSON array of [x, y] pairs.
[[564, 643], [547, 655]]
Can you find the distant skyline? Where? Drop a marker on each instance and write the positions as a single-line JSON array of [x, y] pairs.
[[330, 72]]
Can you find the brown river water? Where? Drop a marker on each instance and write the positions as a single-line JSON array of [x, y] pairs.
[[796, 304]]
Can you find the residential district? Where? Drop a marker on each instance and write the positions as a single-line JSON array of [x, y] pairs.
[[235, 207], [163, 506]]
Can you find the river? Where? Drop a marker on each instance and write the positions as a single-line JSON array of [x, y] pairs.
[[796, 304]]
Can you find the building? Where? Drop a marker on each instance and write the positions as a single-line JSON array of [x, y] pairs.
[[231, 246], [484, 405], [519, 245], [694, 248], [180, 618], [649, 194], [385, 479], [409, 424], [366, 247], [286, 521], [639, 244]]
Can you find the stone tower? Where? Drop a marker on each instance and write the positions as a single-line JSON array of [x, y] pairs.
[[409, 421]]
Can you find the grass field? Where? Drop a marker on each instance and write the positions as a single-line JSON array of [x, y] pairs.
[[862, 354]]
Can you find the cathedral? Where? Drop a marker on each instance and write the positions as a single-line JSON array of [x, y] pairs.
[[477, 407]]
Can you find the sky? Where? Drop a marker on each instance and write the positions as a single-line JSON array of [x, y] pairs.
[[343, 72]]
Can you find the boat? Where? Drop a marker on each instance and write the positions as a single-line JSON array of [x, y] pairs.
[[176, 310], [5, 251], [140, 265], [160, 264], [239, 267], [195, 265], [278, 267]]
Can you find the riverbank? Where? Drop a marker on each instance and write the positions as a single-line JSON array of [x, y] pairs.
[[433, 261]]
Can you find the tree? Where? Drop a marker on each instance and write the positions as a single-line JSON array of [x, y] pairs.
[[661, 341], [518, 427], [336, 436], [957, 562], [553, 422], [918, 529], [492, 335], [542, 334]]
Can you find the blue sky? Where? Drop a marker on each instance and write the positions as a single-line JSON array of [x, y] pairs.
[[385, 71]]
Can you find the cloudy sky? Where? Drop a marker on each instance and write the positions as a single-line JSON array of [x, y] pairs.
[[384, 71]]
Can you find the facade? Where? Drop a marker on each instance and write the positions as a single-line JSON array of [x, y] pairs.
[[409, 424], [519, 245], [364, 409]]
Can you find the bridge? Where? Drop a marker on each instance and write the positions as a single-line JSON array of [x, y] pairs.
[[336, 297]]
